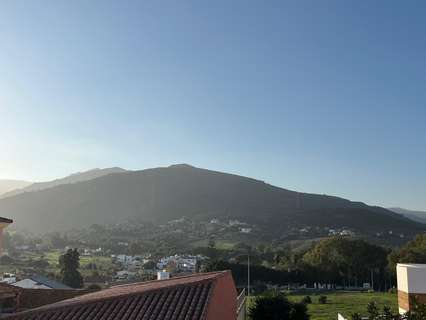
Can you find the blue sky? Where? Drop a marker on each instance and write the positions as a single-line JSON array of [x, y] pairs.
[[317, 96]]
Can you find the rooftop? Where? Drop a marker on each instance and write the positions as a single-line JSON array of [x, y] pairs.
[[44, 281], [177, 298], [412, 265]]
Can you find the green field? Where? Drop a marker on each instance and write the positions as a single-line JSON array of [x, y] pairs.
[[345, 303], [221, 244], [104, 265]]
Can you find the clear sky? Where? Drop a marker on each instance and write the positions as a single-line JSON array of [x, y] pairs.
[[316, 96]]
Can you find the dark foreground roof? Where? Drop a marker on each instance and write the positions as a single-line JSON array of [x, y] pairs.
[[176, 298], [5, 220]]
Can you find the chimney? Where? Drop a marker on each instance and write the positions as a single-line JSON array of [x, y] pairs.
[[163, 275]]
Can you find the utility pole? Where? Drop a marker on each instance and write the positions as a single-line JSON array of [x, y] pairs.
[[248, 275]]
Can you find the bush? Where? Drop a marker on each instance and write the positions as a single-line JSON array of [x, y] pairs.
[[322, 299], [307, 300], [94, 286], [276, 307], [356, 316]]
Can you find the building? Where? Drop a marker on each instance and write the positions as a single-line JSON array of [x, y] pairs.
[[39, 282], [8, 298], [4, 222], [15, 299], [180, 263], [8, 278], [411, 280], [204, 296], [162, 275]]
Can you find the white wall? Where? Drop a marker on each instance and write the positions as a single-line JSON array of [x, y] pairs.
[[411, 278], [340, 317]]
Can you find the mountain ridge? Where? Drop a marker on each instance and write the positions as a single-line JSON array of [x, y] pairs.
[[166, 193], [72, 178], [8, 185], [416, 215]]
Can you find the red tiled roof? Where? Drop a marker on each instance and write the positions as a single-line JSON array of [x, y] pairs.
[[6, 220], [176, 298]]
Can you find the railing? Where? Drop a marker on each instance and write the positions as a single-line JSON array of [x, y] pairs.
[[241, 305]]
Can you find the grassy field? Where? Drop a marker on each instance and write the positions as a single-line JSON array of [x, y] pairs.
[[104, 264], [345, 303], [222, 244]]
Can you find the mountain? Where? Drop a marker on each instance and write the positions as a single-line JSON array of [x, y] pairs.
[[73, 178], [419, 216], [9, 185], [163, 194]]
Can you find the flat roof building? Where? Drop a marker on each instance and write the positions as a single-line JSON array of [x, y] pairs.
[[411, 280]]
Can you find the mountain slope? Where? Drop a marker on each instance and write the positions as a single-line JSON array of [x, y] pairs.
[[163, 194], [419, 216], [73, 178], [9, 185]]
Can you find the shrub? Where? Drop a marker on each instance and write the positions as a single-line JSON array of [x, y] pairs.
[[94, 286], [322, 299], [356, 316], [372, 310], [307, 300], [277, 307]]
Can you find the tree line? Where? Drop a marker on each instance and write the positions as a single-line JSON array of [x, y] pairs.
[[340, 261]]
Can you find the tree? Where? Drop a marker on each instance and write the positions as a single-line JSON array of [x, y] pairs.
[[135, 249], [340, 259], [412, 252], [69, 264], [212, 243], [150, 265], [57, 241], [277, 307]]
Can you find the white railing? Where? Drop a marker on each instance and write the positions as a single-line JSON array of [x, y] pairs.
[[241, 305]]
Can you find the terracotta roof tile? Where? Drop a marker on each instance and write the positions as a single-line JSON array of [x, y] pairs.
[[176, 298]]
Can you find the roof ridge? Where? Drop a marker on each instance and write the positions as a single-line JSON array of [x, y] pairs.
[[217, 273], [72, 302]]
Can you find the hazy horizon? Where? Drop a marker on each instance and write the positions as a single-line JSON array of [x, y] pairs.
[[327, 99]]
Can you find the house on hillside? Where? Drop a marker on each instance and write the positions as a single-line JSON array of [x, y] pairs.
[[179, 263], [203, 296], [39, 282]]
